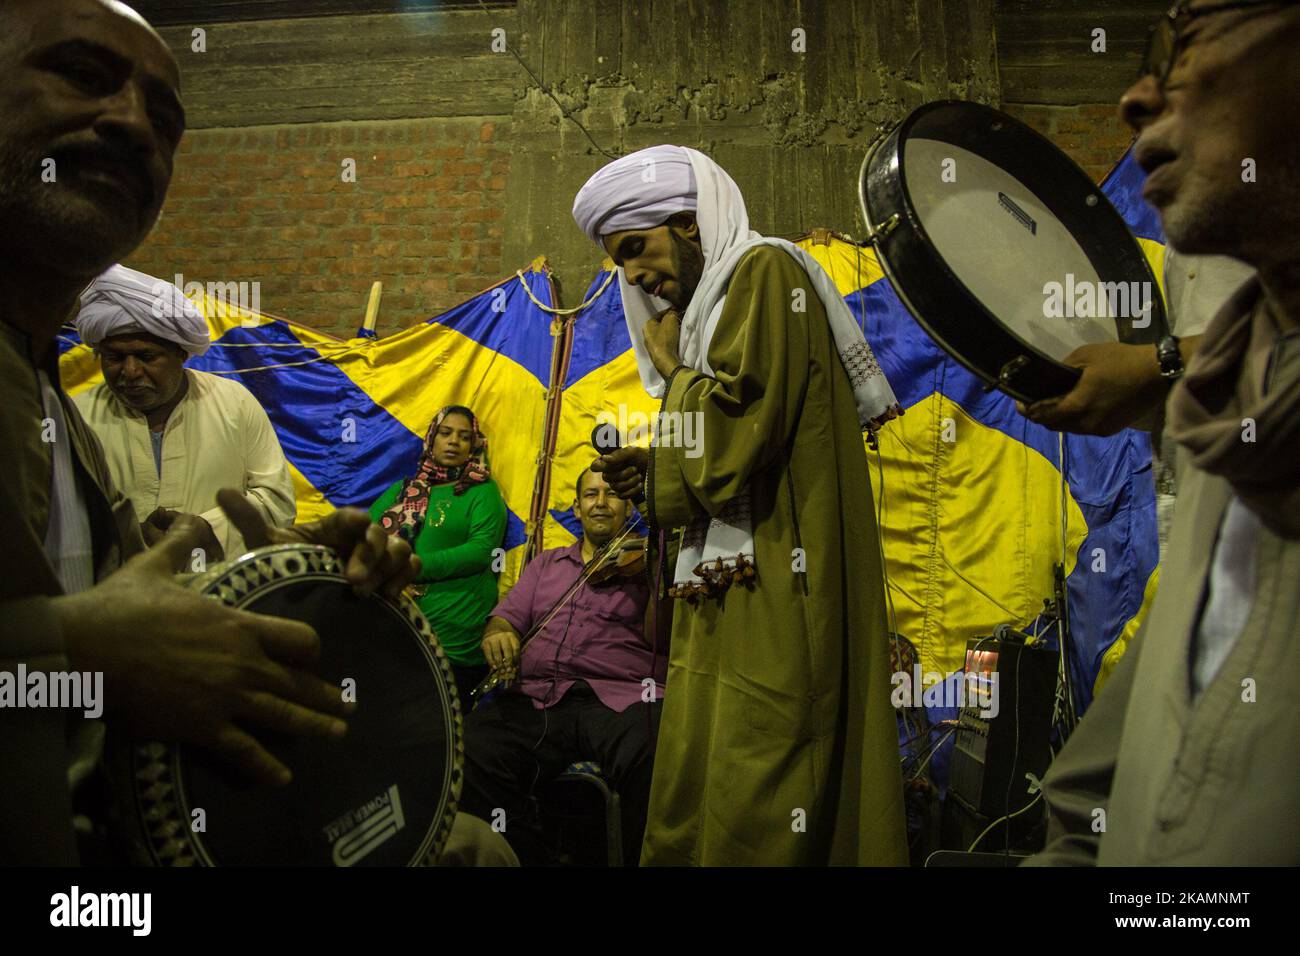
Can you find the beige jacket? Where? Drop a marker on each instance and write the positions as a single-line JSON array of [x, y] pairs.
[[1211, 783], [35, 804]]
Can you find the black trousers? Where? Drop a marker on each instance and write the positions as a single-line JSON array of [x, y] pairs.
[[512, 747]]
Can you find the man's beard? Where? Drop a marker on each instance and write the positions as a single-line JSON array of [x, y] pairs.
[[44, 224], [1245, 222], [688, 265], [1201, 225], [600, 538]]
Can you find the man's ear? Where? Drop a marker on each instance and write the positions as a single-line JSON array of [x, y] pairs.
[[684, 224]]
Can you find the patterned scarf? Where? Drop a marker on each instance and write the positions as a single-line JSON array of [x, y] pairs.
[[406, 516]]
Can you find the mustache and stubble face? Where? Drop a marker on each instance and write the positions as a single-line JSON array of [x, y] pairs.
[[143, 370], [1214, 118], [90, 118], [601, 512], [666, 261]]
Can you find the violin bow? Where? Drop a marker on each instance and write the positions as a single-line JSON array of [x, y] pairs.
[[493, 679]]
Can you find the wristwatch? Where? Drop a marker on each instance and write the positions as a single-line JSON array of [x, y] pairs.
[[1170, 358]]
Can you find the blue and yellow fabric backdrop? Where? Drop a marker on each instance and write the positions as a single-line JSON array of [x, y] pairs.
[[351, 415], [977, 504]]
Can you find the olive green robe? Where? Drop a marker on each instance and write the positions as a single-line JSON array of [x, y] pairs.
[[778, 744]]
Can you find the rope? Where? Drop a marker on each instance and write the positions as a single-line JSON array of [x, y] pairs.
[[231, 345], [519, 274], [268, 368], [271, 368], [362, 343]]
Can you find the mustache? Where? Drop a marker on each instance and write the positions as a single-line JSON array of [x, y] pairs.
[[123, 161], [1151, 153]]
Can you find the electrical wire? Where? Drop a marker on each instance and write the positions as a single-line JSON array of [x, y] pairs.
[[880, 478], [1067, 716], [1015, 753], [933, 750], [880, 470], [932, 744], [929, 730], [1008, 818]]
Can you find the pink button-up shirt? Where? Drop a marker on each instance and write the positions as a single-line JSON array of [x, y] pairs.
[[596, 637]]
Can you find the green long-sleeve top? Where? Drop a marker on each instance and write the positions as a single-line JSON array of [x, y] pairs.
[[455, 544]]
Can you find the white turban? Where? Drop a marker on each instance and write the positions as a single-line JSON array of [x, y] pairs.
[[123, 300], [639, 191]]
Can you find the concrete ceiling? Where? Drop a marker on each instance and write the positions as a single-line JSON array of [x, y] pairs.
[[199, 12]]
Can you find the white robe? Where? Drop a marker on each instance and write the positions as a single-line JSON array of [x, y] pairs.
[[218, 436]]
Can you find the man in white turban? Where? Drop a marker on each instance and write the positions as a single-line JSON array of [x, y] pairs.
[[175, 436], [778, 742]]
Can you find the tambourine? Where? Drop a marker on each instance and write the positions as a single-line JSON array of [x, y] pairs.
[[1002, 248]]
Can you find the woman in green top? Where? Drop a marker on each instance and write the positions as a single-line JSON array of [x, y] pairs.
[[452, 515]]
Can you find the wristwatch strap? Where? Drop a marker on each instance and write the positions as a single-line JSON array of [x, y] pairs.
[[1170, 358]]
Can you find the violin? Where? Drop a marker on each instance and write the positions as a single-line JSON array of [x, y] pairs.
[[622, 564]]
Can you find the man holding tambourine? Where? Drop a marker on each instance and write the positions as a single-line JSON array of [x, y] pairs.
[[1172, 765], [1125, 385]]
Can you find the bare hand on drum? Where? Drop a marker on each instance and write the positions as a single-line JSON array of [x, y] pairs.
[[154, 528], [375, 560], [1120, 384], [625, 470], [180, 666]]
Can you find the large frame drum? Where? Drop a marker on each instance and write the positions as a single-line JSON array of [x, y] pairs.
[[384, 794], [974, 217]]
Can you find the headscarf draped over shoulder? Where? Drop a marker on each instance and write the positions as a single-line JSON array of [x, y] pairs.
[[642, 191], [405, 517]]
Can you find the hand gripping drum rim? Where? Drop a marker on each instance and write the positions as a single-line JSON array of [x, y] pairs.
[[152, 771]]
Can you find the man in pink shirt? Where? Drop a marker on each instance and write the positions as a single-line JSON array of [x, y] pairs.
[[589, 683]]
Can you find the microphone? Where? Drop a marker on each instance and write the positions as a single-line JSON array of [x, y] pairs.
[[1009, 634], [606, 440]]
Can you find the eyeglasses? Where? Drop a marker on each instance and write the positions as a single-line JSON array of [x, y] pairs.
[[1166, 39]]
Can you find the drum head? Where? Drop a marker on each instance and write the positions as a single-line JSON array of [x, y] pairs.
[[1003, 248], [383, 795]]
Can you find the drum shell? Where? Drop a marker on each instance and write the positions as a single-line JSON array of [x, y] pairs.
[[150, 779]]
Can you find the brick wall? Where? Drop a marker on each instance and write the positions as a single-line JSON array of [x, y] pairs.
[[269, 204], [425, 215], [448, 134], [1056, 79], [271, 102], [1091, 134]]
